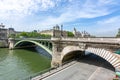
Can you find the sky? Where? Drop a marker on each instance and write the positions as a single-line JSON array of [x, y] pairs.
[[98, 17]]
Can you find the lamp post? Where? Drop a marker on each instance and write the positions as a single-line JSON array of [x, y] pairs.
[[61, 30]]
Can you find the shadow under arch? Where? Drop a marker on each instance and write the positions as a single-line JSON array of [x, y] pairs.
[[78, 54], [30, 42], [93, 59], [107, 55], [73, 55], [90, 59]]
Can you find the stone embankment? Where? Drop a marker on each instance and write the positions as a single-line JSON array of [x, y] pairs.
[[3, 43], [51, 72]]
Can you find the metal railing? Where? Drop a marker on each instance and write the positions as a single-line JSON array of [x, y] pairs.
[[37, 74]]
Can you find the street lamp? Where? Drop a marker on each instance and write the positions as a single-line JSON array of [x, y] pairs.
[[62, 30]]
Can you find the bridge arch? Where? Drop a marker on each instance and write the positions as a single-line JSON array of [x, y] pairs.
[[68, 50], [103, 53], [34, 42], [109, 56]]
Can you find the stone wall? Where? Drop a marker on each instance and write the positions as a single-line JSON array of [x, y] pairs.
[[3, 43]]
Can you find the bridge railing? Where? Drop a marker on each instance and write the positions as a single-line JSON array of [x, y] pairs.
[[104, 40], [31, 39], [107, 40]]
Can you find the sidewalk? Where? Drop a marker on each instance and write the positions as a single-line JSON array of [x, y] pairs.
[[51, 72]]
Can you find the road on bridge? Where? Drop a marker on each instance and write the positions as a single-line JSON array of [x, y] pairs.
[[89, 68]]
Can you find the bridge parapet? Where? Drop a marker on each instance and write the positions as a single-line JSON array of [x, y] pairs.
[[95, 40]]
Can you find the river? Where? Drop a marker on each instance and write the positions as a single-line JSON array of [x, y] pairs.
[[19, 64]]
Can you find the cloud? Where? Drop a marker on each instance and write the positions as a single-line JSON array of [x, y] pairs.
[[78, 10], [47, 13], [111, 23], [21, 8], [107, 27], [22, 13], [111, 20]]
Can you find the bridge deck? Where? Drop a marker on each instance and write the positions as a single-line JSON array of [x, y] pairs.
[[90, 40]]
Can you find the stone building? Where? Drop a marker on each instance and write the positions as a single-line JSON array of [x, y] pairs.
[[11, 31], [48, 32], [55, 32], [4, 32], [80, 34]]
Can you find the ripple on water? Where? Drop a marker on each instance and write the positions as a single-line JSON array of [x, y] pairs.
[[19, 64]]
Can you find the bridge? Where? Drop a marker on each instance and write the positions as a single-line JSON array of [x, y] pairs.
[[62, 49]]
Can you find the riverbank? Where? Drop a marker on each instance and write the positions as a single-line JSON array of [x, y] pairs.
[[53, 71]]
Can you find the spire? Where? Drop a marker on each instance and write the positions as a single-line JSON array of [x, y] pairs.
[[1, 25], [74, 29]]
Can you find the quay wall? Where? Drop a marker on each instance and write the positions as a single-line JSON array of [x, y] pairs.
[[3, 43]]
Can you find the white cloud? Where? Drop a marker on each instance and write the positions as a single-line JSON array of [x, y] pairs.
[[23, 7], [77, 11], [107, 27], [111, 20], [110, 2]]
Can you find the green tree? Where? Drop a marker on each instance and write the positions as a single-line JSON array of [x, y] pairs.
[[70, 34], [118, 34], [24, 34], [32, 35], [12, 36]]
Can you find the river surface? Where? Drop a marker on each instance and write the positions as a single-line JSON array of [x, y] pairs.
[[20, 63]]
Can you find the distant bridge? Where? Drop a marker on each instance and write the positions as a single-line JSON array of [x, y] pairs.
[[62, 49]]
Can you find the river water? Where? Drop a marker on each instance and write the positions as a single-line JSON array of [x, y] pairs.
[[19, 64]]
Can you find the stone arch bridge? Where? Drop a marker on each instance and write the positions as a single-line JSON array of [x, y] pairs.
[[59, 48]]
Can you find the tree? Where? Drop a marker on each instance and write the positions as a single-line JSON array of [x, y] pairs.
[[118, 34], [32, 35], [70, 34], [24, 34], [12, 36]]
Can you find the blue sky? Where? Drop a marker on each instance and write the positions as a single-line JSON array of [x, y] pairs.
[[98, 17]]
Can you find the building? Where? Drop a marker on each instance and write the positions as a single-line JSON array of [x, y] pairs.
[[11, 31], [48, 32], [5, 33], [55, 32], [77, 33], [80, 34]]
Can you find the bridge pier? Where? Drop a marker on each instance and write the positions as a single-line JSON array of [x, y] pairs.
[[55, 63], [11, 42], [56, 56]]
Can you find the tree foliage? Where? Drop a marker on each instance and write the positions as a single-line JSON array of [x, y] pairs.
[[118, 34], [70, 34], [12, 35], [32, 35], [24, 34]]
